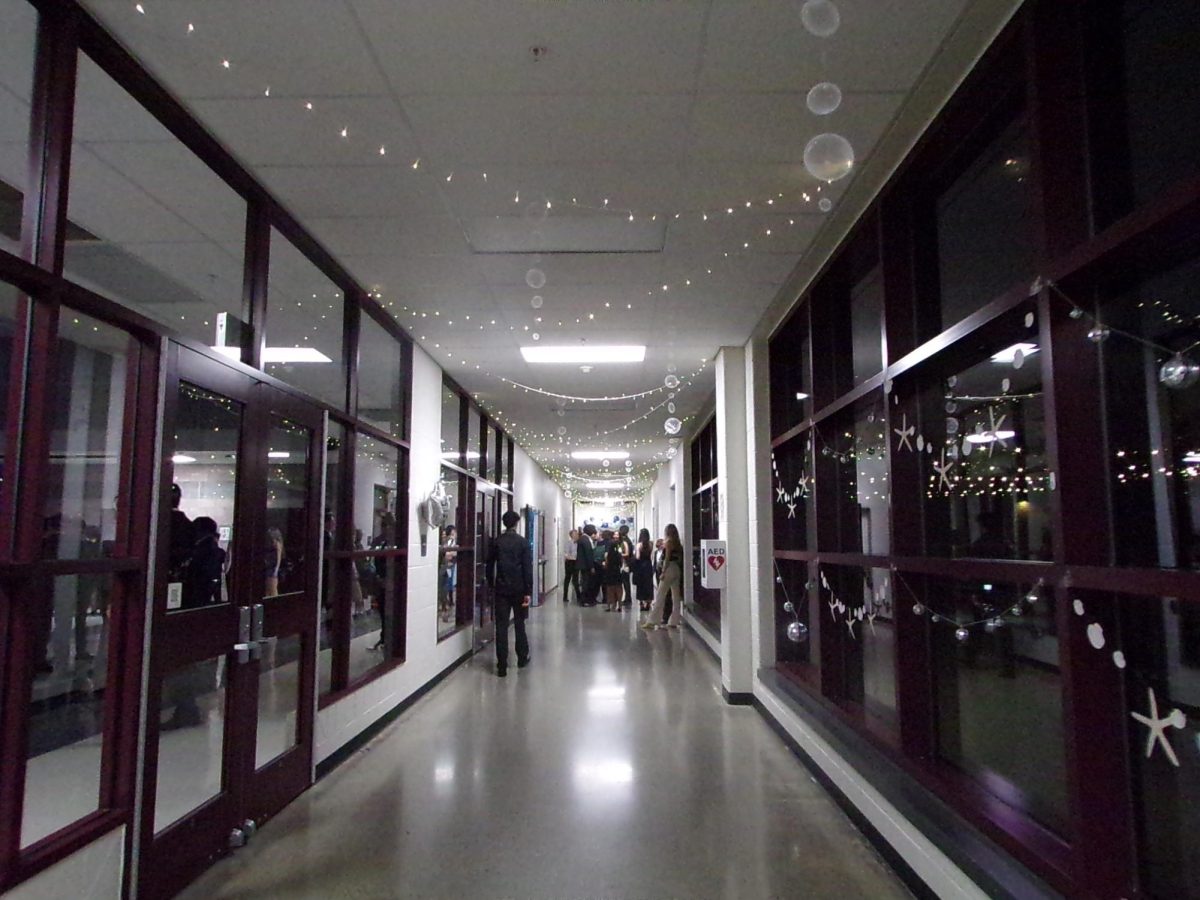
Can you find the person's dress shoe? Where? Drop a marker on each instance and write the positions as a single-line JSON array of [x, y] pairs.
[[522, 663], [501, 671]]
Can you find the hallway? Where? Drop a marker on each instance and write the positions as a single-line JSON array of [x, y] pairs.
[[611, 767]]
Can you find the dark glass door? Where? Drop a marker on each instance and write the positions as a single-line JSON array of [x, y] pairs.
[[485, 532], [229, 732]]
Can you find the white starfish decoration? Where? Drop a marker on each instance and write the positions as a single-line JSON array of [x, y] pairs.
[[871, 617], [943, 471], [994, 431], [791, 510], [850, 627], [780, 493], [905, 431], [1158, 728], [803, 486]]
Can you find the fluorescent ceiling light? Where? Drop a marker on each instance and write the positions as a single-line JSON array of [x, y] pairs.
[[604, 485], [600, 454], [1009, 354], [182, 458], [450, 454], [800, 395], [280, 354], [988, 437], [278, 454], [584, 353], [1192, 457]]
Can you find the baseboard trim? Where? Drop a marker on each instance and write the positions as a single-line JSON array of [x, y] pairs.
[[738, 698], [356, 743]]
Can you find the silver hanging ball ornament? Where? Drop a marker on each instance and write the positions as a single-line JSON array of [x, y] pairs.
[[825, 204], [828, 157], [672, 425], [671, 381], [606, 463], [935, 618], [562, 429], [788, 606], [962, 634], [820, 17], [629, 463], [825, 451], [1099, 334], [918, 609], [1031, 597], [797, 632], [1179, 372], [535, 278], [537, 301], [1075, 313]]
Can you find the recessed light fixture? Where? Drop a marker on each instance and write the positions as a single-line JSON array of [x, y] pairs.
[[280, 354], [603, 485], [279, 454], [1009, 354], [585, 353], [600, 454]]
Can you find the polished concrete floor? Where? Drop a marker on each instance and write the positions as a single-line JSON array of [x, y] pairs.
[[610, 768]]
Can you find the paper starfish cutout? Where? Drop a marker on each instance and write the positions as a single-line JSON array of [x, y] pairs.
[[943, 470], [1158, 728], [905, 431], [781, 494], [850, 627], [791, 510], [994, 431], [803, 486]]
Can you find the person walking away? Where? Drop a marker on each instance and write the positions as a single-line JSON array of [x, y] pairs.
[[643, 570], [586, 565], [612, 576], [570, 552], [670, 583], [626, 563], [510, 578]]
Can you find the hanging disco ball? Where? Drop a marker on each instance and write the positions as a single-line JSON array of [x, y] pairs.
[[672, 425], [824, 98], [820, 17], [537, 301], [606, 463], [788, 606], [824, 204], [671, 381], [1179, 372], [828, 157], [1099, 334], [962, 634], [797, 632], [536, 279]]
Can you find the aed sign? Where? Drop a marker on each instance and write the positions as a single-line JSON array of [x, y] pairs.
[[713, 560]]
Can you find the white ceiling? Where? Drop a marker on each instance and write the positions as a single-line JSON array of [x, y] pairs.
[[664, 108]]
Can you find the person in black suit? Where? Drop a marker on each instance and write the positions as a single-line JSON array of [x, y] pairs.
[[510, 578]]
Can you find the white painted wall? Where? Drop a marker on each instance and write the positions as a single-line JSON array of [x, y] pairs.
[[532, 487]]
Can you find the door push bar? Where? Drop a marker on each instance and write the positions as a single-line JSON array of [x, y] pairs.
[[250, 633]]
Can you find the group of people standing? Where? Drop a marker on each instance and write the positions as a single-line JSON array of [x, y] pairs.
[[609, 561]]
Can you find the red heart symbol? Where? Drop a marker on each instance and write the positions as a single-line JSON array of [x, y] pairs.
[[716, 562]]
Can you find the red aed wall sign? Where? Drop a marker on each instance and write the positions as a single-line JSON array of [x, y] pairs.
[[713, 559]]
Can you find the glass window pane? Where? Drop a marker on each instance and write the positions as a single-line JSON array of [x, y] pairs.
[[8, 326], [791, 392], [982, 442], [375, 626], [87, 431], [793, 485], [191, 739], [1160, 640], [999, 692], [858, 448], [278, 699], [287, 509], [66, 715], [474, 440], [304, 325], [866, 326], [150, 226], [376, 471], [870, 655], [451, 591], [380, 392], [18, 39], [984, 244], [1153, 431], [203, 493], [1148, 85], [451, 436], [799, 645]]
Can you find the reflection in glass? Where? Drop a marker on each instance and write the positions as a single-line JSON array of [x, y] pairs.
[[203, 493], [66, 714], [791, 389], [375, 484], [371, 612], [791, 578], [80, 519], [1153, 432], [999, 692], [8, 326], [986, 480], [304, 325], [151, 226], [984, 235], [17, 42], [792, 485], [191, 735], [858, 446], [866, 326], [380, 393], [870, 654], [278, 699], [451, 423], [283, 564], [450, 611], [474, 440], [1160, 640]]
